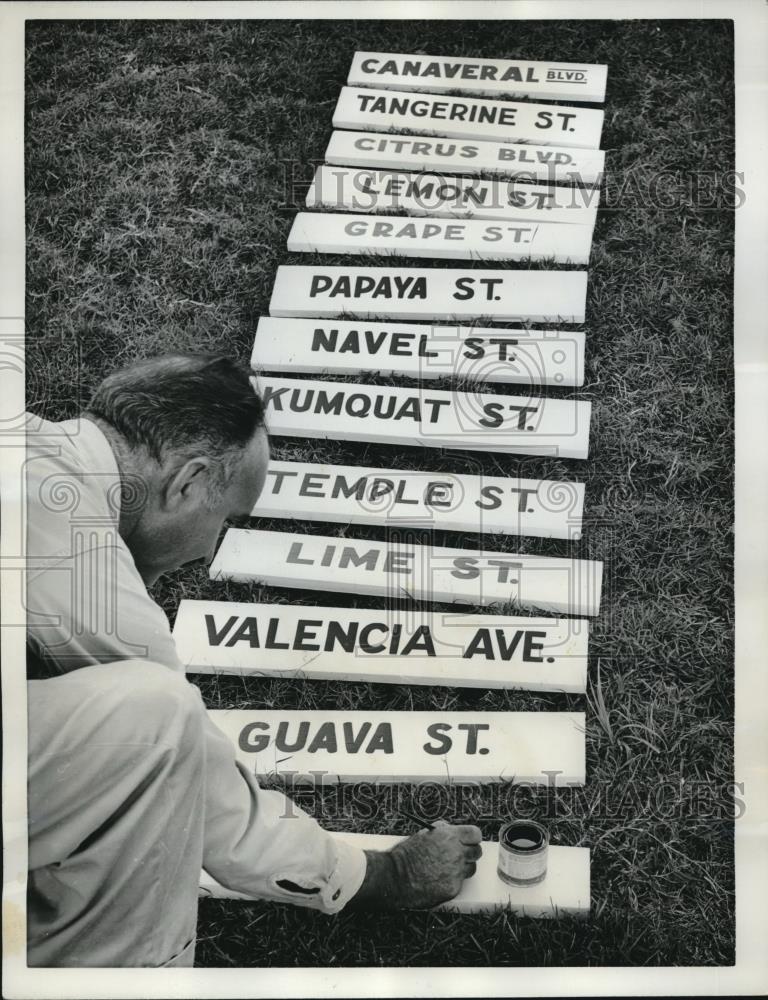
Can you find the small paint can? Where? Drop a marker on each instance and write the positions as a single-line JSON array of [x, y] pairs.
[[523, 847]]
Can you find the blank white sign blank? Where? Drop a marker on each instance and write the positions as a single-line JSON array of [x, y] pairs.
[[564, 892]]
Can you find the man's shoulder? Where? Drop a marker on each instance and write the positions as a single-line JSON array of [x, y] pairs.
[[70, 472]]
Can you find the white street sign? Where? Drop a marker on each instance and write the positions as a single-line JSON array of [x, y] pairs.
[[472, 421], [400, 570], [538, 747], [435, 195], [468, 118], [522, 161], [446, 501], [565, 890], [418, 350], [383, 647], [551, 81], [432, 293], [454, 239]]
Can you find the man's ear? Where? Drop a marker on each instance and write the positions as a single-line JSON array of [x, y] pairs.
[[188, 484]]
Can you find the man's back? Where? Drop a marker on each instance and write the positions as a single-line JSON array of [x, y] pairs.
[[86, 602]]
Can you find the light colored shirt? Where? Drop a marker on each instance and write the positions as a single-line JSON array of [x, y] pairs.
[[87, 604]]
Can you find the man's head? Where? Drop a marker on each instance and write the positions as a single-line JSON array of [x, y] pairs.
[[191, 429]]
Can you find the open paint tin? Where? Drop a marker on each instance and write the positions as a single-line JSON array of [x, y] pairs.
[[523, 848]]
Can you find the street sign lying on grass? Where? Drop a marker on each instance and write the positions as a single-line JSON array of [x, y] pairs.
[[347, 494], [468, 118], [554, 164], [383, 647], [430, 293], [455, 239], [403, 570], [552, 81], [473, 421], [438, 196], [320, 746], [417, 350], [565, 890]]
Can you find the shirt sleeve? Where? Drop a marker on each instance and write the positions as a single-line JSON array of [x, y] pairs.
[[88, 605], [261, 844], [257, 842]]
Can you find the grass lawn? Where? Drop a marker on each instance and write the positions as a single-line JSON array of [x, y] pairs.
[[165, 163]]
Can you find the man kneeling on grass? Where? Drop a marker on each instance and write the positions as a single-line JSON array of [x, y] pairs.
[[132, 790]]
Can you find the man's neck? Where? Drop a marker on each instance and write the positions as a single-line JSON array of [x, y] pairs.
[[134, 485]]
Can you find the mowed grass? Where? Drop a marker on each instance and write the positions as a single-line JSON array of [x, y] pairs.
[[165, 162]]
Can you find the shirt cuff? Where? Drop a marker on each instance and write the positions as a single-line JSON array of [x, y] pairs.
[[346, 878]]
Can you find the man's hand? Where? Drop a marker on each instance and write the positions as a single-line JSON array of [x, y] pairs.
[[422, 871]]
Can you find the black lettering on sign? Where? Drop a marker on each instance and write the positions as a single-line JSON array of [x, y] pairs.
[[381, 739], [408, 230], [366, 644], [386, 287], [355, 404], [338, 635], [325, 739], [515, 73], [250, 741], [522, 503], [465, 290], [355, 742], [533, 199], [496, 643], [493, 495], [322, 341], [522, 412], [254, 737], [567, 75], [271, 641], [544, 120], [523, 155], [505, 569], [342, 488], [437, 731], [420, 642], [450, 71], [314, 635], [351, 557], [312, 485], [215, 635], [473, 348], [439, 495], [472, 729], [493, 415], [357, 342], [284, 745], [279, 476], [247, 631], [304, 639], [531, 646], [465, 568], [503, 343]]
